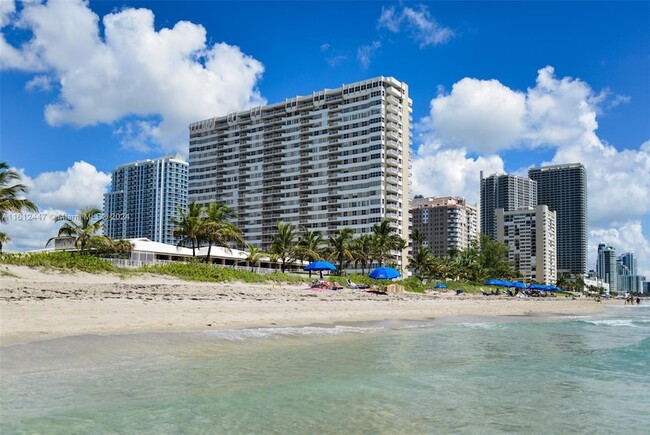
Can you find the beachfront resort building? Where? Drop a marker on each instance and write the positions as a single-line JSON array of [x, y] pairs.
[[509, 192], [530, 235], [606, 269], [446, 223], [144, 199], [338, 158], [563, 188]]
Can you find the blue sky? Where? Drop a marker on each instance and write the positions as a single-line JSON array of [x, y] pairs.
[[496, 86]]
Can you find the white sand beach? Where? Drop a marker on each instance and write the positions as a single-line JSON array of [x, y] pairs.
[[37, 305]]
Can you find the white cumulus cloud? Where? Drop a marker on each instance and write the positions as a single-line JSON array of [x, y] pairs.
[[79, 186], [419, 23], [30, 231], [450, 172], [482, 115], [164, 79], [478, 118]]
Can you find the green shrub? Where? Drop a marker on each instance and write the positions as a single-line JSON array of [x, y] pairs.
[[69, 261], [195, 271]]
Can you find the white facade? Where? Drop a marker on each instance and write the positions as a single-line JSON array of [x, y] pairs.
[[532, 241], [331, 160], [144, 199]]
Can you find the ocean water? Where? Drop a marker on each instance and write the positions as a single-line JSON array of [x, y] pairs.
[[548, 375]]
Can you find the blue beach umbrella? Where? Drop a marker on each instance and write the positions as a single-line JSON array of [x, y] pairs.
[[519, 285], [384, 272], [319, 266], [492, 282], [440, 286]]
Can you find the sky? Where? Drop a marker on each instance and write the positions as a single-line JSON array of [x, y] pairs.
[[497, 87]]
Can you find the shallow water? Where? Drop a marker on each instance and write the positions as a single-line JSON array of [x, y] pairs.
[[565, 374]]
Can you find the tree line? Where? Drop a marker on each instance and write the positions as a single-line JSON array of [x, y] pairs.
[[212, 225]]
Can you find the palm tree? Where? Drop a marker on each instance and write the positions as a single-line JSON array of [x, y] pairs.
[[420, 261], [361, 248], [189, 226], [340, 247], [10, 200], [82, 228], [4, 239], [284, 244], [217, 228], [254, 256], [386, 240], [310, 245]]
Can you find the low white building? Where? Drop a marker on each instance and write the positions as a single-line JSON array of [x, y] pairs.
[[146, 251]]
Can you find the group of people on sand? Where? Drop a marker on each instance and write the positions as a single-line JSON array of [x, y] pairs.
[[630, 300], [325, 285]]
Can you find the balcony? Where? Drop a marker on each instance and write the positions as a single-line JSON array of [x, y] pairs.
[[392, 108], [392, 126], [392, 135]]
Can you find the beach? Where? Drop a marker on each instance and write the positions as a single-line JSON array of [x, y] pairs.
[[39, 305]]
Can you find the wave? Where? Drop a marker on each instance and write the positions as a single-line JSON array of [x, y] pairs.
[[630, 323], [244, 334], [485, 326]]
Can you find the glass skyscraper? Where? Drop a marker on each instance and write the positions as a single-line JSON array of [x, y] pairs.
[[606, 266], [144, 199], [563, 188], [509, 192]]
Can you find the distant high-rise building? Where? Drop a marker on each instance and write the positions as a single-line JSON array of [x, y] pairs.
[[446, 223], [530, 235], [144, 199], [509, 192], [628, 280], [338, 158], [564, 189], [606, 266]]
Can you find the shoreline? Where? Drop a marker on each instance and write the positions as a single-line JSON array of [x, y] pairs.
[[38, 305]]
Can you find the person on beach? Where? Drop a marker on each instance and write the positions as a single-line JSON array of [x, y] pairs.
[[356, 286], [638, 300]]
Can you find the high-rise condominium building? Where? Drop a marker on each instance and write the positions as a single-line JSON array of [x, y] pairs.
[[446, 223], [628, 280], [144, 199], [509, 192], [531, 238], [338, 158], [564, 189], [606, 266]]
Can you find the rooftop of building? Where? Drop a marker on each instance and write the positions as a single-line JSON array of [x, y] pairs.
[[560, 166], [176, 158], [442, 201], [288, 101]]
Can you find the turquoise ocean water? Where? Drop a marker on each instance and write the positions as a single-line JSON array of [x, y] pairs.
[[552, 375]]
